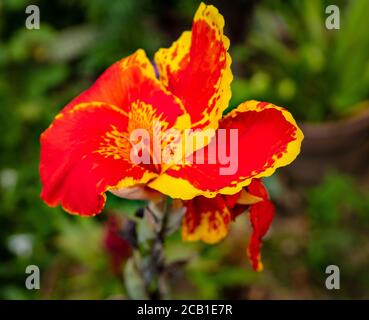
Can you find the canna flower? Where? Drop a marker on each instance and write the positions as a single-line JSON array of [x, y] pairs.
[[88, 148]]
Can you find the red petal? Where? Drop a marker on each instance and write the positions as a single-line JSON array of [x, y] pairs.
[[84, 154], [261, 217], [127, 81], [206, 219], [196, 68], [268, 138]]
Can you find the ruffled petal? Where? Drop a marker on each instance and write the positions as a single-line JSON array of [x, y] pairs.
[[264, 137], [83, 154], [196, 68], [261, 216], [114, 82], [206, 220], [128, 81]]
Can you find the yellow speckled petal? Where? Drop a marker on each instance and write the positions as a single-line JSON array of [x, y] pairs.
[[196, 68]]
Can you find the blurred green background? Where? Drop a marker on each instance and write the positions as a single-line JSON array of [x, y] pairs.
[[282, 52]]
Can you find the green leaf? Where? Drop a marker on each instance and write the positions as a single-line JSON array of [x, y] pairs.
[[133, 281]]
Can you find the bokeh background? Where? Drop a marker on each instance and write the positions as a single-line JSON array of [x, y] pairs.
[[281, 53]]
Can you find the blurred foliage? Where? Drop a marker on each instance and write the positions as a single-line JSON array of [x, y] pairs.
[[338, 211], [290, 58], [286, 56]]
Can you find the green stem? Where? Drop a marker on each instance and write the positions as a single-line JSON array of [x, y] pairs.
[[154, 263]]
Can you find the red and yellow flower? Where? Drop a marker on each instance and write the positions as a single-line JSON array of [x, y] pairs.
[[85, 152]]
